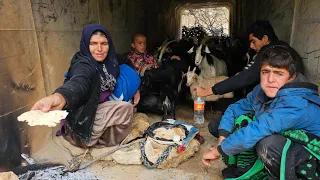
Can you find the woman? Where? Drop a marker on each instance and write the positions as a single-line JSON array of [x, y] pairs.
[[92, 77]]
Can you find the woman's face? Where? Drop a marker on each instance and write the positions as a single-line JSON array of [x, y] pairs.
[[99, 47]]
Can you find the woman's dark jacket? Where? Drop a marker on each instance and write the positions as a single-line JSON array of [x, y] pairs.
[[81, 89]]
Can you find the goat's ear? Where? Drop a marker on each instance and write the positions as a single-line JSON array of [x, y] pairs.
[[194, 69], [191, 50], [207, 50]]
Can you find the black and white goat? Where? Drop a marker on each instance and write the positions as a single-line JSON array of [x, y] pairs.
[[209, 65]]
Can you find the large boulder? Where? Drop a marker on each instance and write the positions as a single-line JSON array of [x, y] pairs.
[[175, 157]]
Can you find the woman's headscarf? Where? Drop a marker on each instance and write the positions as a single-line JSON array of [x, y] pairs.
[[109, 68]]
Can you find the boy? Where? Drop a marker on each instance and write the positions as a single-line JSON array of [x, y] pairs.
[[149, 101], [139, 56], [285, 129], [261, 36]]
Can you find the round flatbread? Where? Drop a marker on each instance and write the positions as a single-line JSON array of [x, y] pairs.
[[39, 118]]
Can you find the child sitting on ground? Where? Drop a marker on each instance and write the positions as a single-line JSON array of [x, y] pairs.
[[150, 100], [275, 130]]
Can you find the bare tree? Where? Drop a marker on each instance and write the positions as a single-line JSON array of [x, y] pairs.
[[213, 20]]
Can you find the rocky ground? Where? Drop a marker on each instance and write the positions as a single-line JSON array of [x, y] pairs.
[[59, 151]]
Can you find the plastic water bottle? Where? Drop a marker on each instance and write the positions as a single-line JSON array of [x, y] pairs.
[[198, 110]]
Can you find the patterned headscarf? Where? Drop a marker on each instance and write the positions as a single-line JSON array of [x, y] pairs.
[[109, 68]]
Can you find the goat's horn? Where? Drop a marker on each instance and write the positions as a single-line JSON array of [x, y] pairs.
[[189, 68], [143, 70], [207, 50], [194, 69], [164, 47], [191, 50]]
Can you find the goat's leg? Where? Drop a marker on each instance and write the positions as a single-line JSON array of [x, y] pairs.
[[171, 114], [166, 109]]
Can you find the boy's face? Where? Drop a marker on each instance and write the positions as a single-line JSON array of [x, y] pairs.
[[140, 44], [272, 79], [256, 44]]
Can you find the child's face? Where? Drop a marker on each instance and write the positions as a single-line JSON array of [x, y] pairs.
[[140, 44], [272, 79]]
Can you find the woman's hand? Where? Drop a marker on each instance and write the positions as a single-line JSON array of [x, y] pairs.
[[210, 155], [136, 98], [53, 102]]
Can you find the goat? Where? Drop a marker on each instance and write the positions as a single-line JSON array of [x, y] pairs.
[[167, 77], [193, 80], [209, 65]]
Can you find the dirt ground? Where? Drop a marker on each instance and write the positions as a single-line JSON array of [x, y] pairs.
[[192, 169]]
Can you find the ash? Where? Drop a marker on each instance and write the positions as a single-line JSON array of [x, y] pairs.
[[52, 173]]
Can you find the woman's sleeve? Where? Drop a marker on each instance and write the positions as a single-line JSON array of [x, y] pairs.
[[76, 88]]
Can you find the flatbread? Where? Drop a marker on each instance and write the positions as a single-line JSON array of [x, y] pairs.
[[169, 133], [39, 118]]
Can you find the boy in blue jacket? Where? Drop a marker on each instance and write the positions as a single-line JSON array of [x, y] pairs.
[[275, 130]]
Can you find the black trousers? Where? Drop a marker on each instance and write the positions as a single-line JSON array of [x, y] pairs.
[[269, 150]]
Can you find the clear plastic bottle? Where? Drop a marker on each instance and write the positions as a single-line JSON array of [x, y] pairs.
[[198, 110]]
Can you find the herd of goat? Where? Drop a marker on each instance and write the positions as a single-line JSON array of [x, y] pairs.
[[202, 64]]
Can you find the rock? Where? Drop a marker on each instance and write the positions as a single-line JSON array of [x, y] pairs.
[[139, 125], [175, 158], [8, 176], [154, 150], [129, 155], [96, 152], [74, 150]]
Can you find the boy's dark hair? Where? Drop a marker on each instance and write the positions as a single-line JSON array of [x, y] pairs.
[[137, 35], [261, 28], [279, 56]]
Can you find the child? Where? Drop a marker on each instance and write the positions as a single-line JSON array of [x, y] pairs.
[[282, 132], [139, 56], [150, 99]]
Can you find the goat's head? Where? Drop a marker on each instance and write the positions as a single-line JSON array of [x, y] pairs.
[[191, 76], [164, 49], [200, 53]]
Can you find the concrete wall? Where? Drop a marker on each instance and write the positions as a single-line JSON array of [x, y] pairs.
[[279, 13], [21, 77], [306, 36]]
